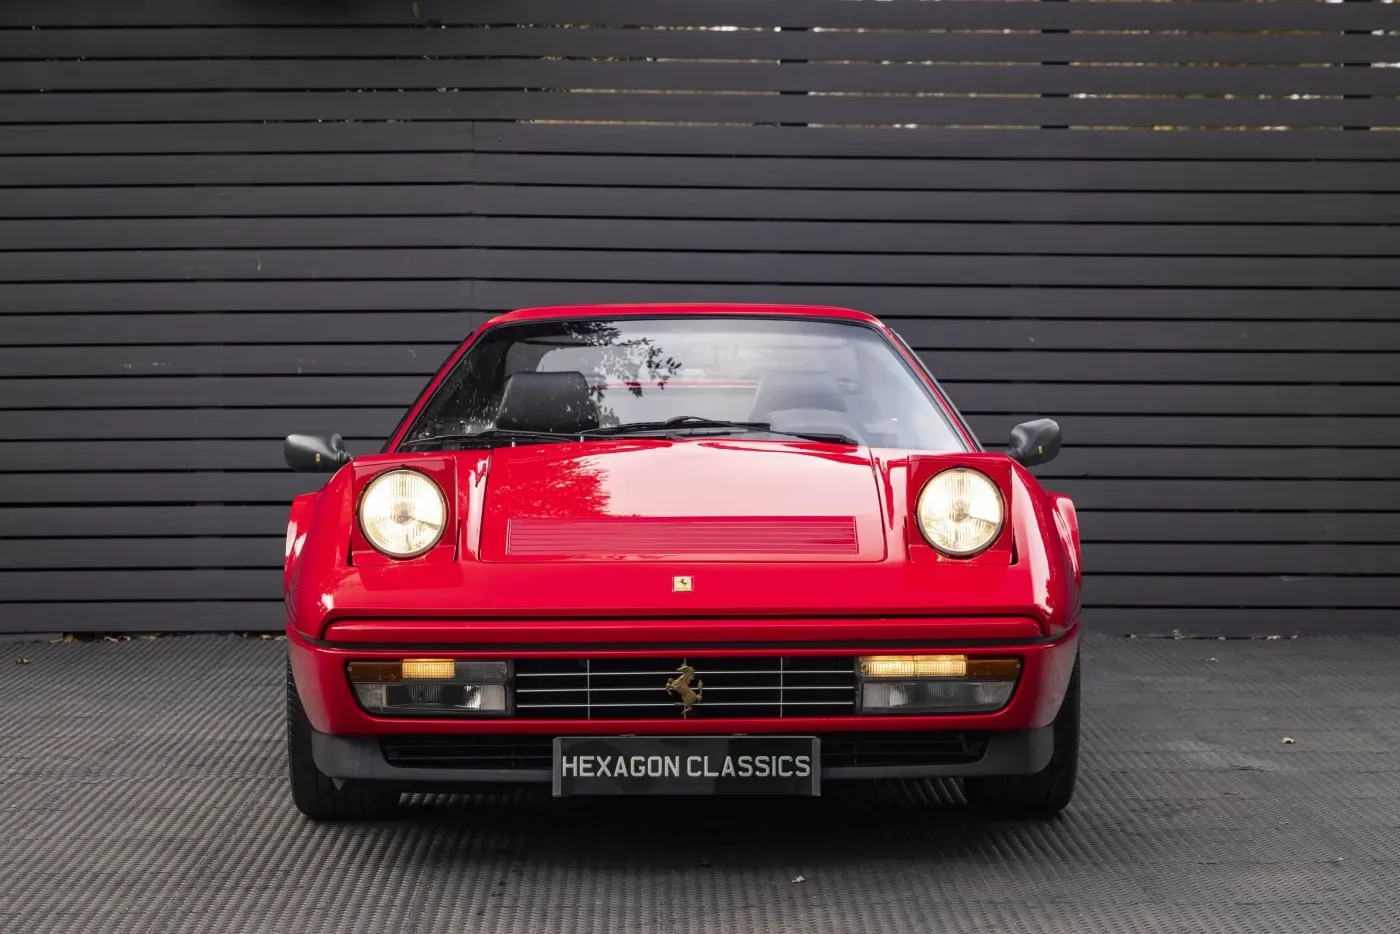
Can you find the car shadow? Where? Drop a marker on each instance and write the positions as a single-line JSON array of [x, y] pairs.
[[849, 823]]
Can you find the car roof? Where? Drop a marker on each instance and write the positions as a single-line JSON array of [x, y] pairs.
[[682, 309]]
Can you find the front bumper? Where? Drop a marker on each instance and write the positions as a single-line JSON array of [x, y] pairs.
[[349, 743], [1018, 752]]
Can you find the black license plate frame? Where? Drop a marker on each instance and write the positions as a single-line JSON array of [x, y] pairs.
[[687, 765]]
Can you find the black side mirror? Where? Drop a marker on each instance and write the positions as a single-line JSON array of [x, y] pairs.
[[315, 453], [1035, 442]]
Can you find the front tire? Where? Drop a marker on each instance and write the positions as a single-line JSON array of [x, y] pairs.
[[1044, 794], [316, 794]]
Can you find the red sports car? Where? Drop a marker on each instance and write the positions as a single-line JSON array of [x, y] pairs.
[[681, 549]]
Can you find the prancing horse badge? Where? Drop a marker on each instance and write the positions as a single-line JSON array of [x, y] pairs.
[[681, 585], [688, 689]]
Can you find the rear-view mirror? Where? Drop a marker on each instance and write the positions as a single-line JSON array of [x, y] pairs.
[[1036, 442], [315, 453]]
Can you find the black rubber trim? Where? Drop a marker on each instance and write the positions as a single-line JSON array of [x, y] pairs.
[[1014, 752]]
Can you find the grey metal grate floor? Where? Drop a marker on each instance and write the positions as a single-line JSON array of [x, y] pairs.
[[142, 790]]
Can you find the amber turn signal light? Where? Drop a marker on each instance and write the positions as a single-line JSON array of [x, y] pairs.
[[440, 669], [905, 667], [408, 669]]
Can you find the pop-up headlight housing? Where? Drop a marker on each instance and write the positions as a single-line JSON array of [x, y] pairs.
[[405, 511], [961, 509], [402, 513]]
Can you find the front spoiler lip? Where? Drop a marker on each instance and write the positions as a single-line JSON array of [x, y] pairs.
[[596, 632], [359, 758], [536, 648]]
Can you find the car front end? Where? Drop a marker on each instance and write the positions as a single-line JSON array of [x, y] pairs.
[[698, 612]]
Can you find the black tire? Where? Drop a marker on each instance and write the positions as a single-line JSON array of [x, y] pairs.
[[1044, 794], [313, 792]]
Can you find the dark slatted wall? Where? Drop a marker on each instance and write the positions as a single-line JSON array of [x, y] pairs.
[[1171, 225]]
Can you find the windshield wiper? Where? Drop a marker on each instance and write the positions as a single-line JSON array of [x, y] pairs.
[[490, 435], [718, 426], [679, 422], [671, 425]]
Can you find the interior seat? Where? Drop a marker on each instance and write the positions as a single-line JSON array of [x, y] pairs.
[[559, 402], [797, 389]]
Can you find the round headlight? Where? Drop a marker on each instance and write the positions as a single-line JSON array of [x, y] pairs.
[[960, 512], [403, 513]]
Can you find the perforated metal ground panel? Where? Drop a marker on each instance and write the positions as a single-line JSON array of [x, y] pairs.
[[142, 790]]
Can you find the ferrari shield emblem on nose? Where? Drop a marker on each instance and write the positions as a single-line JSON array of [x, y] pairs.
[[681, 585], [687, 687]]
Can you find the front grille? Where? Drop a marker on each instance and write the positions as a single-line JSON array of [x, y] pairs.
[[870, 749], [887, 749], [469, 752], [635, 688]]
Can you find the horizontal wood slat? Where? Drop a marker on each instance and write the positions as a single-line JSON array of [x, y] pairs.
[[1203, 558], [1025, 144], [125, 265], [1374, 529], [742, 45], [270, 424], [1183, 399], [144, 616], [689, 172], [166, 553], [1058, 366], [843, 77], [140, 392], [620, 234], [900, 14], [895, 303], [297, 359], [178, 522], [1129, 303], [1199, 431], [716, 203], [236, 106]]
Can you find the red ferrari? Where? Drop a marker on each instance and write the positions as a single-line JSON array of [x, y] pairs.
[[681, 549]]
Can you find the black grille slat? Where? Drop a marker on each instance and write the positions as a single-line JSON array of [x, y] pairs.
[[635, 688]]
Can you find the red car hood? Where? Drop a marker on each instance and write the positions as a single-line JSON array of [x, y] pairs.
[[609, 529], [647, 500]]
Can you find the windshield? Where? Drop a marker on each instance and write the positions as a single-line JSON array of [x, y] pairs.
[[702, 375]]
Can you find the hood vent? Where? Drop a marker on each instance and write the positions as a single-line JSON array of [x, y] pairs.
[[645, 536]]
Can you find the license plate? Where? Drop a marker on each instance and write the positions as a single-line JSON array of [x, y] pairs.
[[687, 765]]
